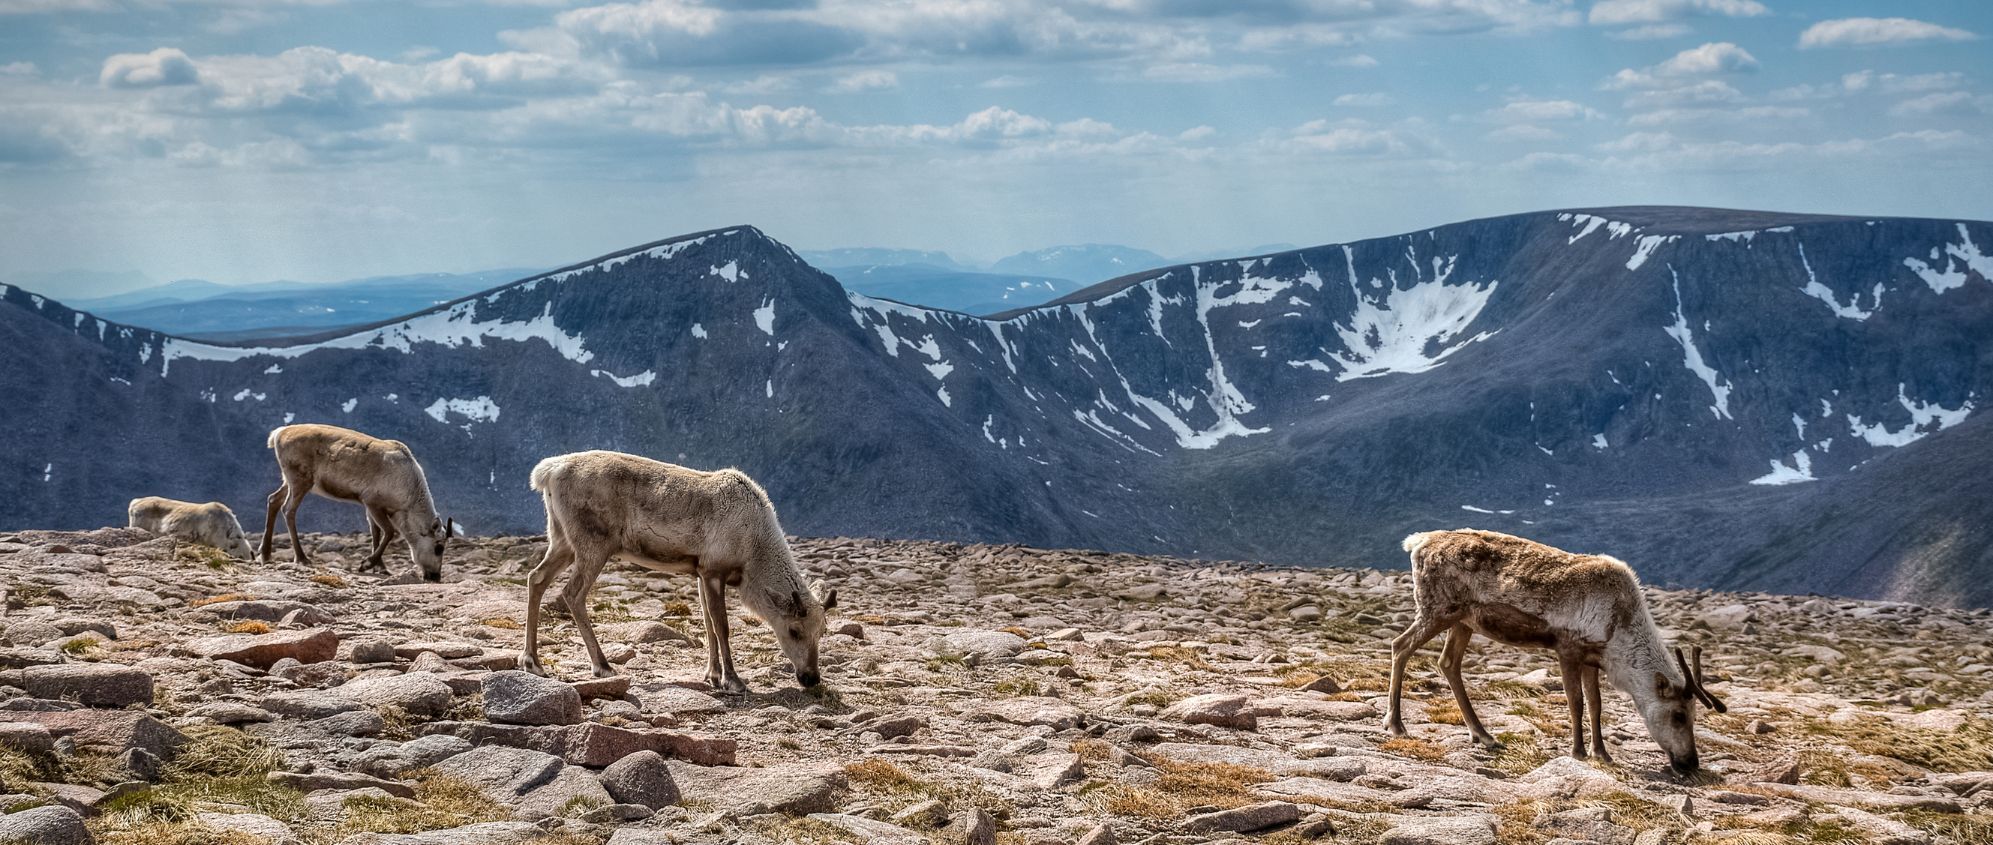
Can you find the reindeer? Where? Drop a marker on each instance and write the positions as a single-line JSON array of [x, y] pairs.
[[211, 523], [1586, 608], [717, 526], [347, 466]]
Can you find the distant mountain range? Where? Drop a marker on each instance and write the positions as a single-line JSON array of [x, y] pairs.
[[954, 290], [213, 311], [1771, 401]]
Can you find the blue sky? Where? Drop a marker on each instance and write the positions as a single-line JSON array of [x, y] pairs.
[[245, 140]]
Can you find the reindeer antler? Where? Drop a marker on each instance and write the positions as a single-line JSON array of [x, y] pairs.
[[1692, 676]]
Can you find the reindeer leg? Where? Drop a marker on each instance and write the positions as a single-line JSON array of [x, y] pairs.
[[558, 556], [575, 596], [1596, 703], [1449, 665], [1574, 692], [378, 529], [291, 503], [713, 597], [1423, 628], [270, 520]]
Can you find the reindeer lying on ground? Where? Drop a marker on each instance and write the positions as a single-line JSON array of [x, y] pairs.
[[211, 523], [348, 466], [717, 526], [1587, 608]]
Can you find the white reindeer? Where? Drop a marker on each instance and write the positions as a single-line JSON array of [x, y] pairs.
[[347, 466], [211, 523], [1586, 608], [717, 526]]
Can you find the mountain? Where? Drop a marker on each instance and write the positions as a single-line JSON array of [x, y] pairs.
[[1080, 262], [198, 308], [1215, 255], [953, 290], [1723, 398], [872, 256]]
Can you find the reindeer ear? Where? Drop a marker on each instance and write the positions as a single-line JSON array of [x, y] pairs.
[[824, 595]]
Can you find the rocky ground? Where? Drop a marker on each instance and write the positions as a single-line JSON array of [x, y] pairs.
[[155, 692]]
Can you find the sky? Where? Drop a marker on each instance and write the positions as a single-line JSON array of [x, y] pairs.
[[251, 140]]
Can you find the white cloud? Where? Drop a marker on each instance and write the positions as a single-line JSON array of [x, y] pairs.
[[1947, 102], [1347, 137], [164, 66], [1877, 32], [1367, 100], [1652, 32], [1755, 116], [865, 80], [1534, 111], [1523, 132], [1201, 72], [1006, 81], [1867, 79], [1196, 133], [1359, 60], [1617, 12], [1717, 57]]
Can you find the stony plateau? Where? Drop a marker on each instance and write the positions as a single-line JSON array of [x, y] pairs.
[[151, 691]]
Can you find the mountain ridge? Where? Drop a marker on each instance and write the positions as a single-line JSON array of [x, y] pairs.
[[1539, 373]]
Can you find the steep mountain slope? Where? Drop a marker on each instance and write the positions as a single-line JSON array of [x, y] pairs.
[[953, 290], [1734, 398]]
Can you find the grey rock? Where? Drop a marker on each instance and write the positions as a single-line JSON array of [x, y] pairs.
[[641, 778], [1226, 710], [523, 698], [420, 695], [45, 826], [796, 788], [390, 760], [92, 684], [1440, 830], [1245, 819]]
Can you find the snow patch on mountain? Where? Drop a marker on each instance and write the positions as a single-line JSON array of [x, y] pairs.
[[1925, 419], [455, 326], [1825, 294], [475, 409], [1692, 356], [1800, 470], [1948, 269], [1394, 333]]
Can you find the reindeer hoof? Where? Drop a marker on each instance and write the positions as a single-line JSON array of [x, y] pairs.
[[532, 665], [1397, 728], [1603, 757], [1490, 743], [604, 672], [733, 685]]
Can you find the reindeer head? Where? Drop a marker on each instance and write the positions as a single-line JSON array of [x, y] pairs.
[[799, 625], [427, 547], [1670, 713]]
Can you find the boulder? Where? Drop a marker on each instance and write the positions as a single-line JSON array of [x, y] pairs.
[[45, 826], [91, 684], [1440, 830], [982, 645], [870, 830], [523, 698], [391, 760], [109, 732], [591, 744], [420, 695], [263, 650], [1245, 819], [641, 778], [1225, 710], [797, 788]]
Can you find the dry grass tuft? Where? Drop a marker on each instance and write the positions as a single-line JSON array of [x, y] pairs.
[[900, 788], [1177, 654], [440, 802], [1413, 747], [248, 626], [1018, 686], [223, 752], [1445, 713], [1180, 787], [329, 579], [219, 599], [1520, 754], [502, 622], [1967, 748]]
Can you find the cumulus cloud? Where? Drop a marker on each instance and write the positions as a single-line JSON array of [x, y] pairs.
[[1878, 32], [1533, 111], [1619, 12], [164, 66], [1719, 57], [1347, 138]]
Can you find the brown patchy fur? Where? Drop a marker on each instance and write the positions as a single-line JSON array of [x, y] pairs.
[[1588, 609], [348, 466], [208, 522], [717, 526]]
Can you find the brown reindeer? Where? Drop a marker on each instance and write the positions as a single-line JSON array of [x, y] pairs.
[[1586, 608], [347, 466]]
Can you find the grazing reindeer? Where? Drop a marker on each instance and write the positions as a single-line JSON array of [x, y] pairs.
[[348, 466], [1587, 608], [211, 523], [717, 526]]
